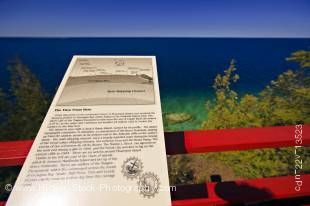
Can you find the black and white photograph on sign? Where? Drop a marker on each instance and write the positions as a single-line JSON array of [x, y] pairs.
[[109, 81]]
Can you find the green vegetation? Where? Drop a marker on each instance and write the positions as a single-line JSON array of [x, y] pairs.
[[286, 101], [22, 110]]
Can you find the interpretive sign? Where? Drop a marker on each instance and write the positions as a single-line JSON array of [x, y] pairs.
[[102, 140]]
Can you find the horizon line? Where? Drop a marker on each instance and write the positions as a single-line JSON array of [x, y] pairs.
[[190, 37]]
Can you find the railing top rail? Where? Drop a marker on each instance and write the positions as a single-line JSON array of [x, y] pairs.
[[234, 139], [13, 153]]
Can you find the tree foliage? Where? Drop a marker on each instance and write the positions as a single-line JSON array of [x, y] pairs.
[[226, 111], [285, 101], [24, 107], [4, 104]]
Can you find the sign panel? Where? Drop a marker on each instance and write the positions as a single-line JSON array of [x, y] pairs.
[[102, 140]]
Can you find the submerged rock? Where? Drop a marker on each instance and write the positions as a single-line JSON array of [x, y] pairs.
[[174, 118]]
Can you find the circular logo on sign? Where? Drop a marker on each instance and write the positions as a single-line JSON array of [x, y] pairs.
[[132, 167], [148, 184]]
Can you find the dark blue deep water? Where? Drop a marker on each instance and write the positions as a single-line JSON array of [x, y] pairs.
[[186, 66]]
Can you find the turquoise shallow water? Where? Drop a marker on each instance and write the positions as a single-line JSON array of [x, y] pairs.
[[192, 104]]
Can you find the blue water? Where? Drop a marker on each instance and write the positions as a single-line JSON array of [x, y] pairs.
[[185, 65]]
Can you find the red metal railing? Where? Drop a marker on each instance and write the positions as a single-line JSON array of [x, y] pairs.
[[213, 193], [233, 139], [245, 191]]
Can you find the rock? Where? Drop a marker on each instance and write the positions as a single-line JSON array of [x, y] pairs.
[[174, 118]]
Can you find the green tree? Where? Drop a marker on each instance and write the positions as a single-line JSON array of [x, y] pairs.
[[285, 101], [227, 111], [25, 106], [21, 113], [4, 105]]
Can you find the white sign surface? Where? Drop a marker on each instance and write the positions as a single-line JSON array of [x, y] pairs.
[[102, 140]]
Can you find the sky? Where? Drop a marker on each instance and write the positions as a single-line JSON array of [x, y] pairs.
[[157, 18]]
